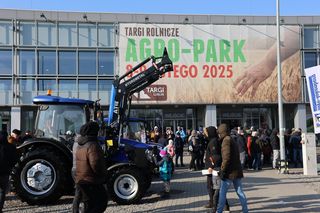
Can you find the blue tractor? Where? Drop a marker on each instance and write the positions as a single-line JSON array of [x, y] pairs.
[[43, 172]]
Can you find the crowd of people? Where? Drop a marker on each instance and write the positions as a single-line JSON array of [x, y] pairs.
[[226, 152], [229, 153]]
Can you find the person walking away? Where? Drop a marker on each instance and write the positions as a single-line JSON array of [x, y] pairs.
[[8, 158], [231, 171], [295, 141], [213, 161], [90, 169], [241, 142], [275, 143], [178, 145], [165, 169], [78, 197]]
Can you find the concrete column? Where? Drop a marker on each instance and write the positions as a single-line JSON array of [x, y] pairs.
[[211, 115], [309, 154], [15, 118], [300, 117]]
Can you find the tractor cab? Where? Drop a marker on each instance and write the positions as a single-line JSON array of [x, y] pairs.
[[61, 118]]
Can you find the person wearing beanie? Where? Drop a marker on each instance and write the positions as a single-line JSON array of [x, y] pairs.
[[231, 170], [90, 174], [165, 169]]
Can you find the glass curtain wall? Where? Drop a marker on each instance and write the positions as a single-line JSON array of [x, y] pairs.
[[73, 59]]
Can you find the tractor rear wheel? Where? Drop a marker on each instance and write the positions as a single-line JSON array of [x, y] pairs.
[[40, 176]]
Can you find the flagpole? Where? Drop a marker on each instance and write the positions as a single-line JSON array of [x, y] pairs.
[[280, 104]]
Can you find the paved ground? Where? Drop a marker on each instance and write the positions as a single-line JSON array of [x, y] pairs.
[[266, 190]]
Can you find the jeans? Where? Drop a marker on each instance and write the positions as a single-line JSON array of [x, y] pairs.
[[179, 155], [276, 157], [256, 161], [225, 184], [242, 159], [4, 183], [297, 153]]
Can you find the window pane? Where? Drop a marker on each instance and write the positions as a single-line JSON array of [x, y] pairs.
[[47, 62], [106, 63], [5, 91], [5, 84], [6, 33], [27, 62], [5, 62], [105, 85], [106, 35], [87, 35], [104, 90], [88, 89], [47, 34], [310, 38], [67, 35], [27, 33], [67, 85], [68, 88], [310, 59], [87, 63], [46, 84], [87, 85], [27, 91], [67, 63]]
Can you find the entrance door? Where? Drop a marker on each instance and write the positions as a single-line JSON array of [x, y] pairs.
[[174, 123]]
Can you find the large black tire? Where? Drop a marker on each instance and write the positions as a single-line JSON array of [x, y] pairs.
[[40, 176], [126, 185]]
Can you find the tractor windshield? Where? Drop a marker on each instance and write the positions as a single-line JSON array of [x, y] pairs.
[[135, 130], [56, 121]]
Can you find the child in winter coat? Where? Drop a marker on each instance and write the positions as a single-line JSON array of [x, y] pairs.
[[165, 169]]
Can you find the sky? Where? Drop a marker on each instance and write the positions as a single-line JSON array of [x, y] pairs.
[[204, 7]]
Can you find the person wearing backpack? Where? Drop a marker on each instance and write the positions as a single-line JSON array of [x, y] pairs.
[[8, 158], [165, 169]]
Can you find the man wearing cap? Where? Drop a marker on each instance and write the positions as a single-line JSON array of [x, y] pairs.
[[90, 169]]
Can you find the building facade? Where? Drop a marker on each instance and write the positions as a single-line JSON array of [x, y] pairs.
[[216, 61]]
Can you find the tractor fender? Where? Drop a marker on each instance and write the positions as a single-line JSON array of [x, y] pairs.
[[119, 165], [48, 143]]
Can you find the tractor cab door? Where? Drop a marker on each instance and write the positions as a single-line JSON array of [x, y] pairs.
[[59, 121]]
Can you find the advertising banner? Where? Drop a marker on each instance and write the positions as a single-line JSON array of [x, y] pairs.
[[214, 63], [313, 80]]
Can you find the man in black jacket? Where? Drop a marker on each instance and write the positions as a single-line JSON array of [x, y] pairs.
[[8, 157], [213, 160]]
